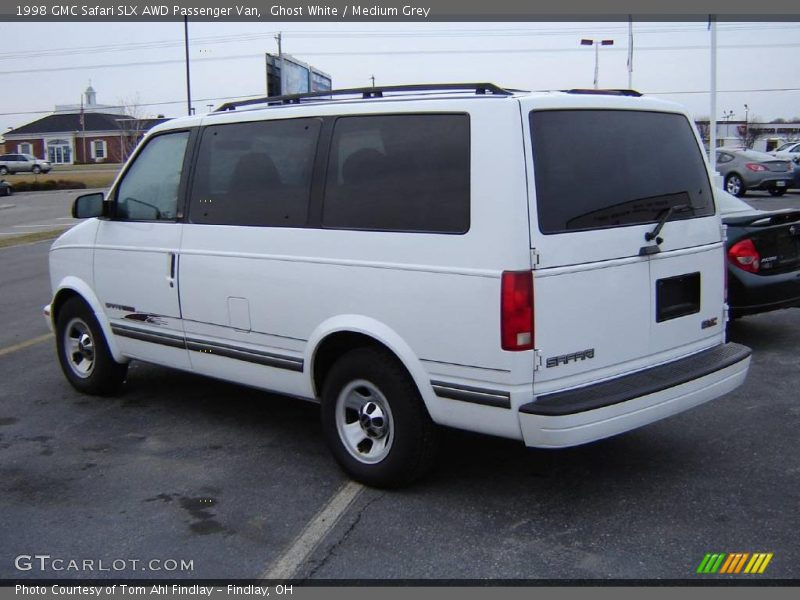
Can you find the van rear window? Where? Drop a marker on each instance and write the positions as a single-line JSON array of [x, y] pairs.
[[596, 169]]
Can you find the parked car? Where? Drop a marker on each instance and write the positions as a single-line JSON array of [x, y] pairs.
[[745, 170], [6, 189], [376, 251], [18, 163], [789, 150], [763, 257]]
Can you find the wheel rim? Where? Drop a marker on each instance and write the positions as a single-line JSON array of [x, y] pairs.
[[79, 348], [364, 422], [734, 185]]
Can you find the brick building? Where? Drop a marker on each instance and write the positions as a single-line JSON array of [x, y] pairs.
[[80, 134]]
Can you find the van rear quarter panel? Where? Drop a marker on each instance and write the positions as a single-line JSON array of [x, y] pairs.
[[439, 293]]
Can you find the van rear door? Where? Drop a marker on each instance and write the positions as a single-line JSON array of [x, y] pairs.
[[627, 247]]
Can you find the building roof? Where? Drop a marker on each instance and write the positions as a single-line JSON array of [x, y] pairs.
[[59, 123]]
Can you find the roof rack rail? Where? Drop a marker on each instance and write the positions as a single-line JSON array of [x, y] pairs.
[[614, 92], [371, 92]]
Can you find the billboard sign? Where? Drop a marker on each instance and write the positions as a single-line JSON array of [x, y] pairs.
[[287, 75]]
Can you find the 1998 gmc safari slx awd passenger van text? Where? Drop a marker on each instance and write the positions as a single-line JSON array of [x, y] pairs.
[[525, 265]]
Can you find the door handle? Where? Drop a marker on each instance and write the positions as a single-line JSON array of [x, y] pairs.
[[172, 264]]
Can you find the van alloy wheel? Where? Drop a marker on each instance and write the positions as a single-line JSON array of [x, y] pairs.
[[83, 351], [364, 422], [374, 420], [79, 348]]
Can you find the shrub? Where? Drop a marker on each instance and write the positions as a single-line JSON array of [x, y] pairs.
[[47, 185]]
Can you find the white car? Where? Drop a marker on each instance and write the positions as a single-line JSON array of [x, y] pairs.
[[789, 150], [412, 257]]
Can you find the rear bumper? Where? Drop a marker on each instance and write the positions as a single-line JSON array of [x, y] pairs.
[[749, 293], [608, 408], [782, 181]]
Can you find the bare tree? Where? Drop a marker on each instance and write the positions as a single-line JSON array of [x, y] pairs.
[[703, 125], [132, 125], [750, 132]]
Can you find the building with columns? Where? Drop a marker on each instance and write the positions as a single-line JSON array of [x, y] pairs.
[[83, 133]]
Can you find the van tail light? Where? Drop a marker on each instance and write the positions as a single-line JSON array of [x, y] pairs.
[[516, 310], [756, 167], [744, 255]]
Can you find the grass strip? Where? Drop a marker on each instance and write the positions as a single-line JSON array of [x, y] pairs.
[[29, 238]]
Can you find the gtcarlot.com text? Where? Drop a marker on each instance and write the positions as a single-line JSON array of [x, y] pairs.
[[43, 563]]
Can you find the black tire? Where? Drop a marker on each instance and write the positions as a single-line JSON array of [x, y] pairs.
[[399, 444], [36, 169], [3, 170], [88, 366], [776, 191], [734, 184]]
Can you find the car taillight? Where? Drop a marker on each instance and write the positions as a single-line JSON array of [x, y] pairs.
[[756, 167], [516, 310], [744, 255]]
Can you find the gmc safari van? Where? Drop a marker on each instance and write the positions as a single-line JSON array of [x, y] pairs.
[[545, 267]]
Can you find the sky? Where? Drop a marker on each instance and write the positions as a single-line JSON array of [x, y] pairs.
[[44, 64]]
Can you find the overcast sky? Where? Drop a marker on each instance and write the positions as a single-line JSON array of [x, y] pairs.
[[44, 64]]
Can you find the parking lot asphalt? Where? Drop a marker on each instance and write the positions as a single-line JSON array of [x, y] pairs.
[[181, 467], [30, 212]]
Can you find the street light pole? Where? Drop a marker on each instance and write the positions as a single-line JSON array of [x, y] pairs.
[[746, 125], [596, 44]]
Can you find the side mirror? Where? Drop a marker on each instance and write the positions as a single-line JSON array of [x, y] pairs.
[[88, 206]]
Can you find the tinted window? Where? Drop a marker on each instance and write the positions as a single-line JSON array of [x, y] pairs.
[[399, 173], [149, 189], [722, 157], [255, 173], [606, 168]]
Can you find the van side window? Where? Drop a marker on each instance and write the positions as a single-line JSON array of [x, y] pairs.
[[399, 173], [149, 189], [255, 173]]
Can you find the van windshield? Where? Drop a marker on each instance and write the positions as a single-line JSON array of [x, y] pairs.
[[596, 169]]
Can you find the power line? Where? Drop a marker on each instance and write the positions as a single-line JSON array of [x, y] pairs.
[[378, 53], [352, 34], [261, 95]]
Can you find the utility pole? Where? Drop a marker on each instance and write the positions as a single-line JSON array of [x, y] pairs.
[[188, 78], [630, 52], [278, 38], [373, 80], [596, 44], [712, 119]]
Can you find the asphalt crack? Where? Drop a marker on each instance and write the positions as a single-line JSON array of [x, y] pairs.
[[331, 550]]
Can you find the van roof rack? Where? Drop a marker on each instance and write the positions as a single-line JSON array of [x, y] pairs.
[[371, 92], [617, 92]]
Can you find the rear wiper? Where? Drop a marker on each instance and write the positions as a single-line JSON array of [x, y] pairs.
[[665, 215]]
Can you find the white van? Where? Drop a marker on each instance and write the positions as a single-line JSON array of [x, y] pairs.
[[546, 267]]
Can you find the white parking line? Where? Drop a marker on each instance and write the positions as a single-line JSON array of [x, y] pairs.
[[38, 225], [316, 530]]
